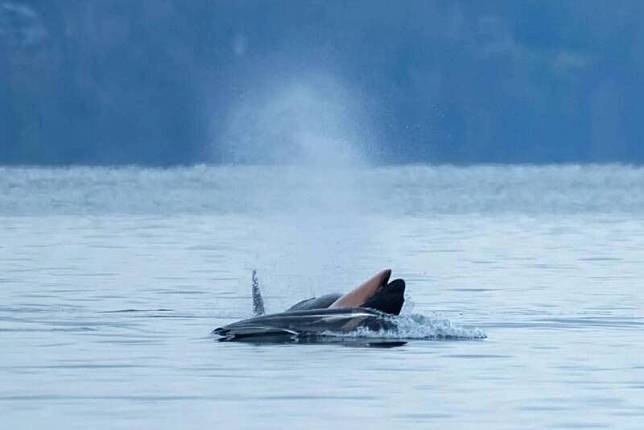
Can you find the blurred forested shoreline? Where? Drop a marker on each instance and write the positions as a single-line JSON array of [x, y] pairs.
[[152, 81]]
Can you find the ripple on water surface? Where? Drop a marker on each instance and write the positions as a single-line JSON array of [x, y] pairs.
[[112, 279]]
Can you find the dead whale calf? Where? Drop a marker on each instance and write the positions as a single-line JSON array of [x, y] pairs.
[[369, 306]]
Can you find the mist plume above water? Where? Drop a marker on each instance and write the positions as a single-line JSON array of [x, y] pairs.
[[311, 120]]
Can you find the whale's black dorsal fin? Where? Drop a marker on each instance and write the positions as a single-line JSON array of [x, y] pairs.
[[258, 301]]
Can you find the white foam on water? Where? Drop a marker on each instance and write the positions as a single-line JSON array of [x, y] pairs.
[[418, 327]]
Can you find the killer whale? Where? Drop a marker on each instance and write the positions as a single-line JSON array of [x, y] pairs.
[[369, 306]]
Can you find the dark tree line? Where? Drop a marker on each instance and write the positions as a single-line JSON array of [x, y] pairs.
[[151, 81]]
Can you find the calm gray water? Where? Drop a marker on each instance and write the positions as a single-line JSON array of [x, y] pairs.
[[112, 279]]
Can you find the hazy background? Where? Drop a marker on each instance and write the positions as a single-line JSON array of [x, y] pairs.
[[344, 117], [166, 82]]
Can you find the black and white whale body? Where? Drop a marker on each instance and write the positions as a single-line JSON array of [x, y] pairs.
[[369, 306], [306, 323]]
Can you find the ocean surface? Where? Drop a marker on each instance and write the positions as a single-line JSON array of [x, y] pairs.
[[111, 281]]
